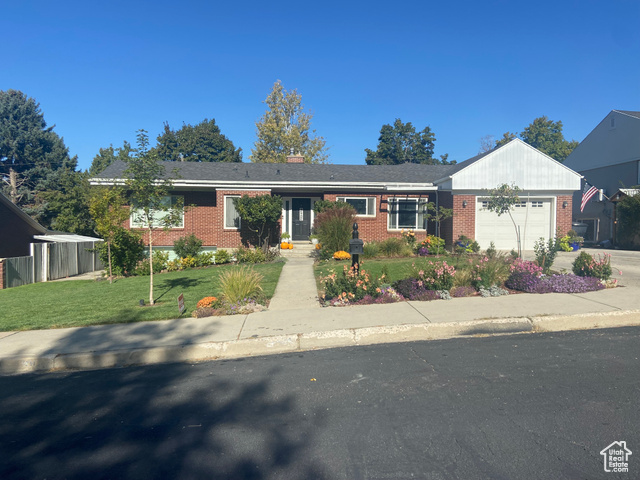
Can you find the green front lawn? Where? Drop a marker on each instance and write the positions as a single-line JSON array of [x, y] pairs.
[[81, 303]]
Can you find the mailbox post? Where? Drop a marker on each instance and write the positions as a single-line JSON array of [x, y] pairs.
[[356, 248]]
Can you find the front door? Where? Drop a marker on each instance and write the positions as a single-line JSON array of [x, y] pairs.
[[301, 218]]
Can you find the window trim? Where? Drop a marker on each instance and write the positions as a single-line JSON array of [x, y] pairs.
[[417, 201], [366, 199], [142, 225], [224, 214]]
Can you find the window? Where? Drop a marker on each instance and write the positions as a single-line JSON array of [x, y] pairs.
[[160, 215], [407, 213], [521, 205], [231, 216], [365, 206], [536, 204]]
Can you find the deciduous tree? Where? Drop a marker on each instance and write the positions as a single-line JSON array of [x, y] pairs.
[[260, 214], [284, 128], [502, 200], [545, 135], [148, 190], [106, 156]]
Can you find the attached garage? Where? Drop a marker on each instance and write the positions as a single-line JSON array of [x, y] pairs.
[[545, 191], [534, 217]]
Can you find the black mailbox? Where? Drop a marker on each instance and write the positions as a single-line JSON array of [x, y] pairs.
[[356, 246]]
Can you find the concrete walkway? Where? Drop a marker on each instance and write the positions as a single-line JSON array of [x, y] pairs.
[[296, 322]]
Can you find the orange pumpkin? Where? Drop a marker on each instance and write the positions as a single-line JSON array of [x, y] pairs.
[[284, 245]]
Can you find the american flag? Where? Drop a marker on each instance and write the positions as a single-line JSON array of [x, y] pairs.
[[587, 192]]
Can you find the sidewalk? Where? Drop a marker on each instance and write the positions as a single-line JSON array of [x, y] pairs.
[[296, 322]]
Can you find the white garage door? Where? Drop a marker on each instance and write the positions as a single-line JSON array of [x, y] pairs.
[[532, 216]]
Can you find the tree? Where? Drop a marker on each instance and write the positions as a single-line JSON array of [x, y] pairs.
[[108, 209], [200, 143], [487, 143], [438, 215], [30, 152], [106, 156], [284, 128], [148, 192], [545, 135], [260, 214], [401, 143], [502, 200], [628, 212], [66, 204]]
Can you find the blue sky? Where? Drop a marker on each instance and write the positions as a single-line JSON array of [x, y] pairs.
[[102, 70]]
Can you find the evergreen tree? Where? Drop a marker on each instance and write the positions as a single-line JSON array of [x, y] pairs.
[[106, 156], [31, 154], [284, 128]]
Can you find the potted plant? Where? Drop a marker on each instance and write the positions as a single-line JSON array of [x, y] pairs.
[[575, 241], [284, 241]]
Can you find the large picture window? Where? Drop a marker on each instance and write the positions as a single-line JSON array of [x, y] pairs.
[[407, 213], [365, 206], [231, 216], [159, 216]]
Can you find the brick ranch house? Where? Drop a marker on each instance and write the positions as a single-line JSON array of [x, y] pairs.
[[388, 198]]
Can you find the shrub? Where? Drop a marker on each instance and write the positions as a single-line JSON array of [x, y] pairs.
[[209, 302], [371, 249], [249, 255], [463, 291], [189, 246], [487, 272], [628, 211], [350, 285], [465, 244], [546, 252], [394, 247], [127, 250], [585, 265], [492, 291], [160, 260], [434, 275], [431, 245], [341, 255], [221, 257], [323, 205], [240, 283], [415, 290], [491, 251], [333, 227], [568, 283]]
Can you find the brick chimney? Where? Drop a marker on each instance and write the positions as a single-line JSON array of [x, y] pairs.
[[292, 158]]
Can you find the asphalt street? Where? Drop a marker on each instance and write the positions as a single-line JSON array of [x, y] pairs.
[[509, 407]]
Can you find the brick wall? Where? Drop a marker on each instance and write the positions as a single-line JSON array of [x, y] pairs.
[[563, 215], [204, 217], [1, 273], [375, 228], [463, 221]]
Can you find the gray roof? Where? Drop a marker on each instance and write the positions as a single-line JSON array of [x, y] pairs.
[[630, 113], [293, 172]]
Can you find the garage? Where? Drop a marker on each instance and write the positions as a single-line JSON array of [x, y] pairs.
[[533, 216]]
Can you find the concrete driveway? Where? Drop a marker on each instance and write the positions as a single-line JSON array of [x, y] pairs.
[[625, 261]]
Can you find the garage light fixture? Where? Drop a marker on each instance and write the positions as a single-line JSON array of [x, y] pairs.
[[565, 204], [464, 204]]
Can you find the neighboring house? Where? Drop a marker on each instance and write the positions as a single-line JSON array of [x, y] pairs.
[[609, 159], [30, 253], [17, 230], [388, 198]]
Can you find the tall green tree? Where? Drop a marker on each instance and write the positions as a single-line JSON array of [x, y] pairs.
[[284, 128], [401, 143], [107, 206], [196, 143], [148, 187], [106, 156], [260, 214], [30, 152], [545, 135]]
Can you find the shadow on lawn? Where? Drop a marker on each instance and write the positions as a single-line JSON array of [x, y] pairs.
[[164, 421], [170, 284]]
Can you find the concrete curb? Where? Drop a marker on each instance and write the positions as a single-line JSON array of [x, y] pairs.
[[314, 341]]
